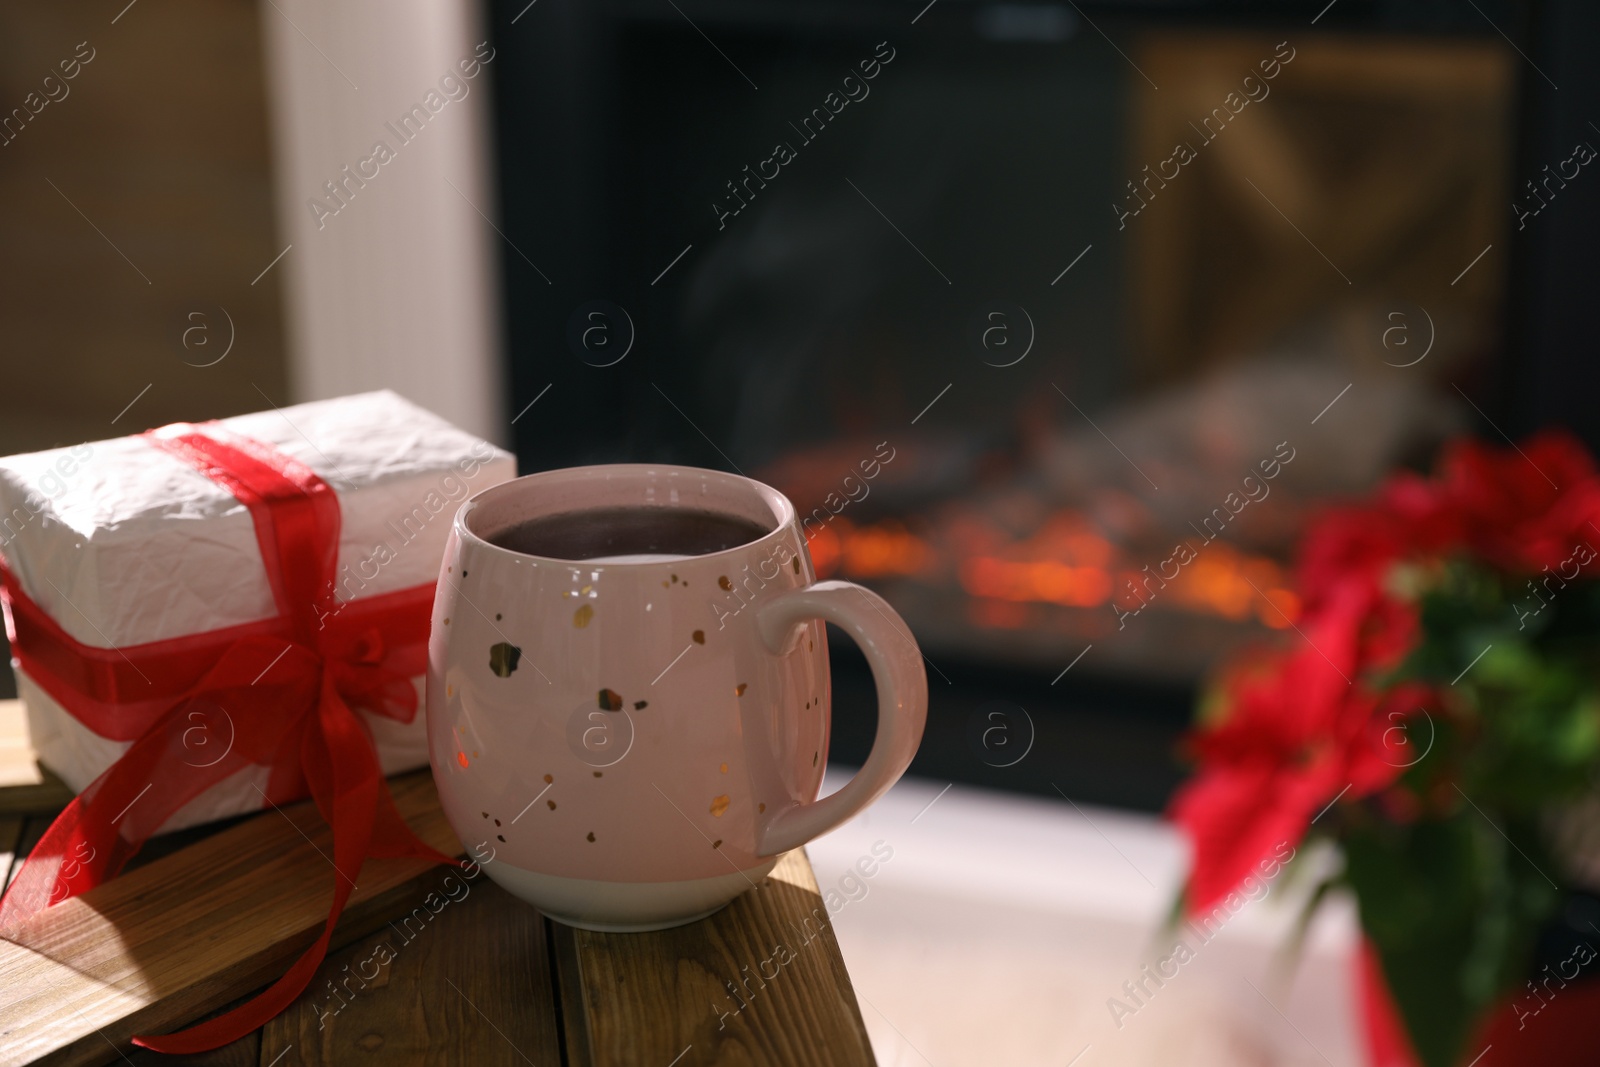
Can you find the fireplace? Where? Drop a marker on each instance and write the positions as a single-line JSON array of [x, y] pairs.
[[1055, 321]]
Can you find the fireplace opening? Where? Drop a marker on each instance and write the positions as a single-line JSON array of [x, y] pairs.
[[1057, 361]]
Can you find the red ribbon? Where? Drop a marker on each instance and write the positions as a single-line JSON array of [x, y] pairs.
[[200, 708]]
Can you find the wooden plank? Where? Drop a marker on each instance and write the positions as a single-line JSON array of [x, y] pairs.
[[761, 982], [463, 981], [244, 1052], [139, 954], [25, 786], [569, 994], [28, 787], [159, 946]]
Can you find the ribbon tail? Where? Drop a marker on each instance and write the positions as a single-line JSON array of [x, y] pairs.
[[107, 824], [347, 786], [386, 692], [392, 838]]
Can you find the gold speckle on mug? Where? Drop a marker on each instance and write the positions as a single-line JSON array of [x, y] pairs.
[[450, 691], [640, 705], [447, 620], [674, 577], [549, 780], [761, 807], [585, 589], [724, 768], [552, 804], [739, 689], [449, 570], [719, 805], [610, 700], [665, 585], [591, 835], [699, 637], [581, 617], [503, 657], [723, 581]]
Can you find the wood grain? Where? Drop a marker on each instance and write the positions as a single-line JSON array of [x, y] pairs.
[[210, 915], [159, 946], [569, 983], [468, 983], [761, 982]]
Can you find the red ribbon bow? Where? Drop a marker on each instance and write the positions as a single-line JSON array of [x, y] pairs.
[[200, 708]]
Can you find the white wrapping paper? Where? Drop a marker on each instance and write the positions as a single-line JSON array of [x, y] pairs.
[[123, 544]]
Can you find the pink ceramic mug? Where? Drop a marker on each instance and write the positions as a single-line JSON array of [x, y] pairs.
[[630, 742]]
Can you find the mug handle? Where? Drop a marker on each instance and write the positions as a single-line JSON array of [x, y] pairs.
[[902, 701]]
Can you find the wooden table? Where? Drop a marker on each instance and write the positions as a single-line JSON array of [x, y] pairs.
[[482, 980]]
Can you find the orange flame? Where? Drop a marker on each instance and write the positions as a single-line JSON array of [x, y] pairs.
[[1064, 562]]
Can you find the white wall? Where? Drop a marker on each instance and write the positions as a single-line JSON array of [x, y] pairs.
[[399, 288]]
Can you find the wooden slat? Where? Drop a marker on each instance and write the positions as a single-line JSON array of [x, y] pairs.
[[14, 849], [652, 998], [466, 981], [25, 787], [569, 991], [159, 946], [192, 932]]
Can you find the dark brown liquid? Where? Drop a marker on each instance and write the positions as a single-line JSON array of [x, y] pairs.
[[628, 531]]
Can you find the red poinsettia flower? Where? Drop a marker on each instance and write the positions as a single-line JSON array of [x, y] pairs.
[[1296, 736], [1306, 728], [1525, 508], [1348, 545], [1351, 551]]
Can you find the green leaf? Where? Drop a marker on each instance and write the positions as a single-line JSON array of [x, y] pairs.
[[1452, 908]]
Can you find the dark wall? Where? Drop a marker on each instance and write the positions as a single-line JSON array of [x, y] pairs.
[[1553, 376]]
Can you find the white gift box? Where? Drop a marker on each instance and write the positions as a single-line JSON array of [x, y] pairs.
[[122, 543]]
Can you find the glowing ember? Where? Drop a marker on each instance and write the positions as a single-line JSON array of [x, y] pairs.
[[1064, 562]]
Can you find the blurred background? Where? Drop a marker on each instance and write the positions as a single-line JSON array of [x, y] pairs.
[[1061, 275]]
